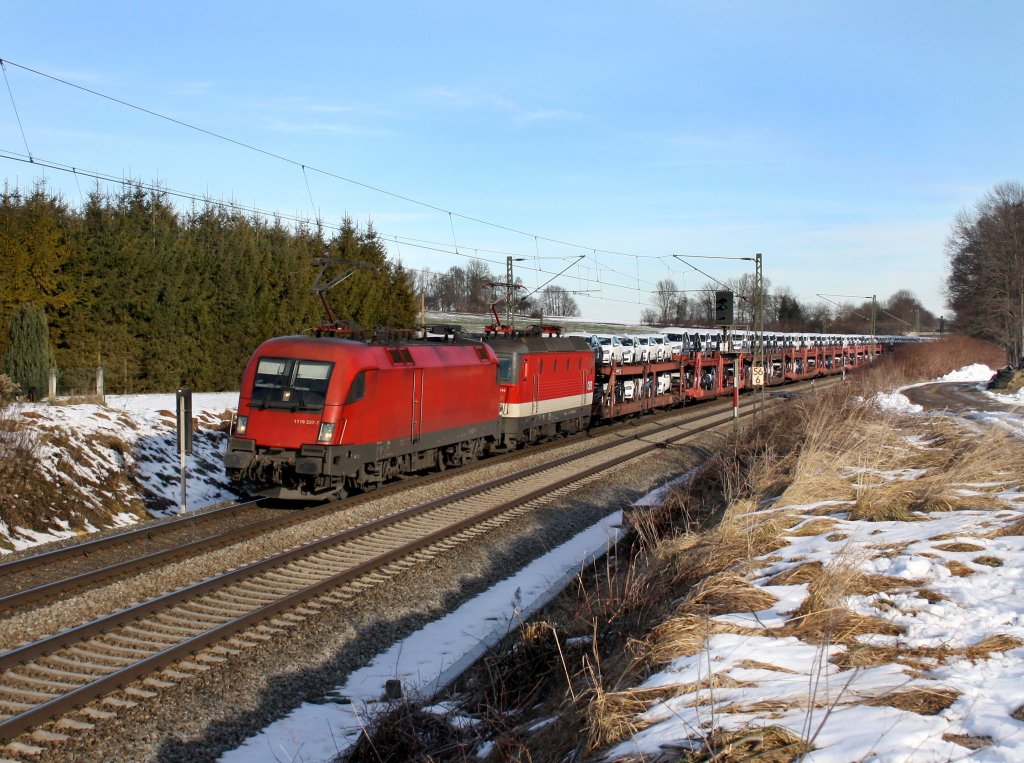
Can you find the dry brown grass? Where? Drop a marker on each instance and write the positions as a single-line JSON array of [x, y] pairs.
[[958, 569], [1017, 528], [802, 573], [813, 527], [724, 593], [613, 716], [923, 700], [997, 642], [770, 744], [859, 655], [959, 546], [988, 561], [823, 616], [685, 634], [971, 743]]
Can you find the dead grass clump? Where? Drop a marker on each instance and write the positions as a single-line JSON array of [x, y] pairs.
[[971, 743], [823, 615], [813, 527], [741, 535], [958, 547], [838, 625], [919, 699], [988, 561], [997, 642], [958, 569], [1017, 528], [406, 732], [724, 593], [932, 597], [803, 573], [888, 503], [614, 716], [770, 744], [685, 634]]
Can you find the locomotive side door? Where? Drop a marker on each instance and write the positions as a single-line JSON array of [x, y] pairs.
[[536, 394], [416, 428]]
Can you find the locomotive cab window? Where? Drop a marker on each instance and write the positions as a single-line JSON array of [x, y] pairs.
[[505, 369], [290, 383]]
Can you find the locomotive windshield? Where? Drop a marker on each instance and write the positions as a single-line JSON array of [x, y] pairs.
[[291, 384]]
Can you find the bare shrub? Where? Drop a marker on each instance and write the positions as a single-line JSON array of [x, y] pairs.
[[8, 389], [404, 732]]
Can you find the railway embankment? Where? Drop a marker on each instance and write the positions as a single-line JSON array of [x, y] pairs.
[[824, 582]]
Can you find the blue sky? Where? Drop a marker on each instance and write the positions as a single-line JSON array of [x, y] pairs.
[[838, 139]]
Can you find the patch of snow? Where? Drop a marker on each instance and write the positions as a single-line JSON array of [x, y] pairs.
[[976, 372], [895, 402]]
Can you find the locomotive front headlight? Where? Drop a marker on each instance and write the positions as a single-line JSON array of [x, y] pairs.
[[241, 424], [326, 432]]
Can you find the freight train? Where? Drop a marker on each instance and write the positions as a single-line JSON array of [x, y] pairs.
[[339, 412]]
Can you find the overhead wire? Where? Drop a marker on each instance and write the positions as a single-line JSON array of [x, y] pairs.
[[306, 168], [3, 65], [423, 244], [304, 165]]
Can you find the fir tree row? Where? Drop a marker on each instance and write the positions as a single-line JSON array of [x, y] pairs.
[[163, 298]]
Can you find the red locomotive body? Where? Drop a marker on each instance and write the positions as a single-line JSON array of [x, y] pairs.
[[546, 386], [318, 417]]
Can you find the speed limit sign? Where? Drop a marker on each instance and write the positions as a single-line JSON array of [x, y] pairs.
[[757, 376]]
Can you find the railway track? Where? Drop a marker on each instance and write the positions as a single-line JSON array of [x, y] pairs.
[[31, 580], [85, 674]]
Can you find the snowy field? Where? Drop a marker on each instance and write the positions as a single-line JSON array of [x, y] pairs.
[[785, 682]]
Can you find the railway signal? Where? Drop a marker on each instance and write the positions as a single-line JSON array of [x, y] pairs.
[[723, 308]]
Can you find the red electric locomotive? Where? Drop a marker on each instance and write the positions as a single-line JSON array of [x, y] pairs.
[[546, 386], [318, 417]]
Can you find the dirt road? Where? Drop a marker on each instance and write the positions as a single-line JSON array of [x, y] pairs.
[[956, 397]]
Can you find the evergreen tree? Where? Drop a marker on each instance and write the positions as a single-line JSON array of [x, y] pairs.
[[29, 357]]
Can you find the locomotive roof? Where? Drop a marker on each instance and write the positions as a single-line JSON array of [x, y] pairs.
[[406, 342], [522, 344]]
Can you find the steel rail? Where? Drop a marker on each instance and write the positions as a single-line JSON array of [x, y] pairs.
[[78, 549]]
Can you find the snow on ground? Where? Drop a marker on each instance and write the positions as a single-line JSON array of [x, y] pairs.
[[977, 372], [427, 660], [960, 611], [792, 684], [146, 425]]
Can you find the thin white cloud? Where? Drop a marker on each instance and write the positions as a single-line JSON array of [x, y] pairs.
[[472, 98]]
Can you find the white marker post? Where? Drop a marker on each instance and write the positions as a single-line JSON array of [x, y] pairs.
[[184, 408]]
